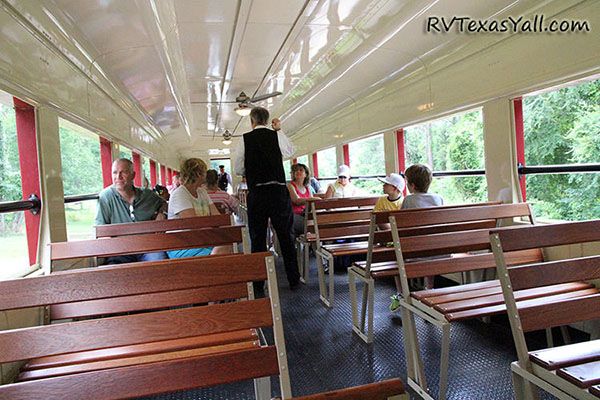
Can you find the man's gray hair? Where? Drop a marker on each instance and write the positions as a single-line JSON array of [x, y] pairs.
[[125, 160], [259, 116]]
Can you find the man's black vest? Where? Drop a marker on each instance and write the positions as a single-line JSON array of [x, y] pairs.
[[262, 157], [223, 181]]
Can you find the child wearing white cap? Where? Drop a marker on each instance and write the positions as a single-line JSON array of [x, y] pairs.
[[393, 185]]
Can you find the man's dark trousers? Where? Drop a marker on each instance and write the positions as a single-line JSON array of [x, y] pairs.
[[273, 202]]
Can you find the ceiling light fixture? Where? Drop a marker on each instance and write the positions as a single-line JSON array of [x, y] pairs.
[[243, 110], [227, 138]]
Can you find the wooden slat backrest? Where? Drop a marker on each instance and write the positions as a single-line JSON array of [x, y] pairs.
[[23, 344], [335, 232], [465, 263], [350, 215], [424, 221], [330, 204], [153, 378], [445, 243], [381, 237], [131, 279], [463, 214], [150, 301], [555, 272], [560, 313], [382, 217], [136, 228], [145, 243], [549, 235]]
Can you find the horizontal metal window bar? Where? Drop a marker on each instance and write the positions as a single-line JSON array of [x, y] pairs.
[[81, 197], [557, 169], [32, 204]]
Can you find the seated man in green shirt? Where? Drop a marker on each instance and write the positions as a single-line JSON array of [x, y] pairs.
[[123, 202]]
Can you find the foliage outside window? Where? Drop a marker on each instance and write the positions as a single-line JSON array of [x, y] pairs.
[[14, 256], [326, 160], [450, 144], [302, 159], [563, 127], [145, 168], [82, 174], [287, 169], [366, 158], [124, 152]]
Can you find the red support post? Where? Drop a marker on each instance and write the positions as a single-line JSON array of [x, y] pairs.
[[152, 173], [30, 172], [346, 150], [315, 160], [169, 176], [401, 153], [520, 142], [163, 175], [106, 160], [137, 168]]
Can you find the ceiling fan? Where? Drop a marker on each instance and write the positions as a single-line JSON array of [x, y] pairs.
[[244, 102]]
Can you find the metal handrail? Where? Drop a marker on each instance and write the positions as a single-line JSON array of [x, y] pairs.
[[557, 169], [32, 204], [436, 174], [81, 197]]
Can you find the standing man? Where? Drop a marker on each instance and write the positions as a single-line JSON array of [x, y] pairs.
[[259, 156], [224, 179], [122, 202]]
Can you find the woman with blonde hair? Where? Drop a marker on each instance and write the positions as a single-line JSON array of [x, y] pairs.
[[191, 200]]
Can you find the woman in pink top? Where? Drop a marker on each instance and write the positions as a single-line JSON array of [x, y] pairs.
[[226, 203], [300, 193]]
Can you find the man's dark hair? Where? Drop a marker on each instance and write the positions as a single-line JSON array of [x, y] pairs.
[[259, 116], [222, 166]]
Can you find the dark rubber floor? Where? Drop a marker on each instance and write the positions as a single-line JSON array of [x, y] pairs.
[[324, 354]]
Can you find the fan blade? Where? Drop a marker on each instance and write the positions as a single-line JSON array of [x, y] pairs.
[[264, 97], [213, 102]]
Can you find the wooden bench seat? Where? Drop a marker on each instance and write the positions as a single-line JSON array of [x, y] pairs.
[[565, 356], [457, 251], [391, 389], [569, 371], [154, 348], [164, 346], [455, 235], [358, 240], [329, 211]]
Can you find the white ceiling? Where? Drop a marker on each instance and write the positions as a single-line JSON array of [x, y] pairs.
[[185, 61]]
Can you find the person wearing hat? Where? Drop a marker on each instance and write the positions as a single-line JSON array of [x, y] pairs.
[[342, 187], [393, 185]]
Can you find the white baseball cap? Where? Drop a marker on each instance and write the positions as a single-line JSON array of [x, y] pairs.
[[395, 180], [344, 170]]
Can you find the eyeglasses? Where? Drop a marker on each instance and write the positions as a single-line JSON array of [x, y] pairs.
[[342, 177], [131, 214]]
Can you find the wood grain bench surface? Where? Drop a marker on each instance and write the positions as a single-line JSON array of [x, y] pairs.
[[578, 365], [136, 228], [565, 356], [145, 243], [388, 389], [147, 352], [582, 375]]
